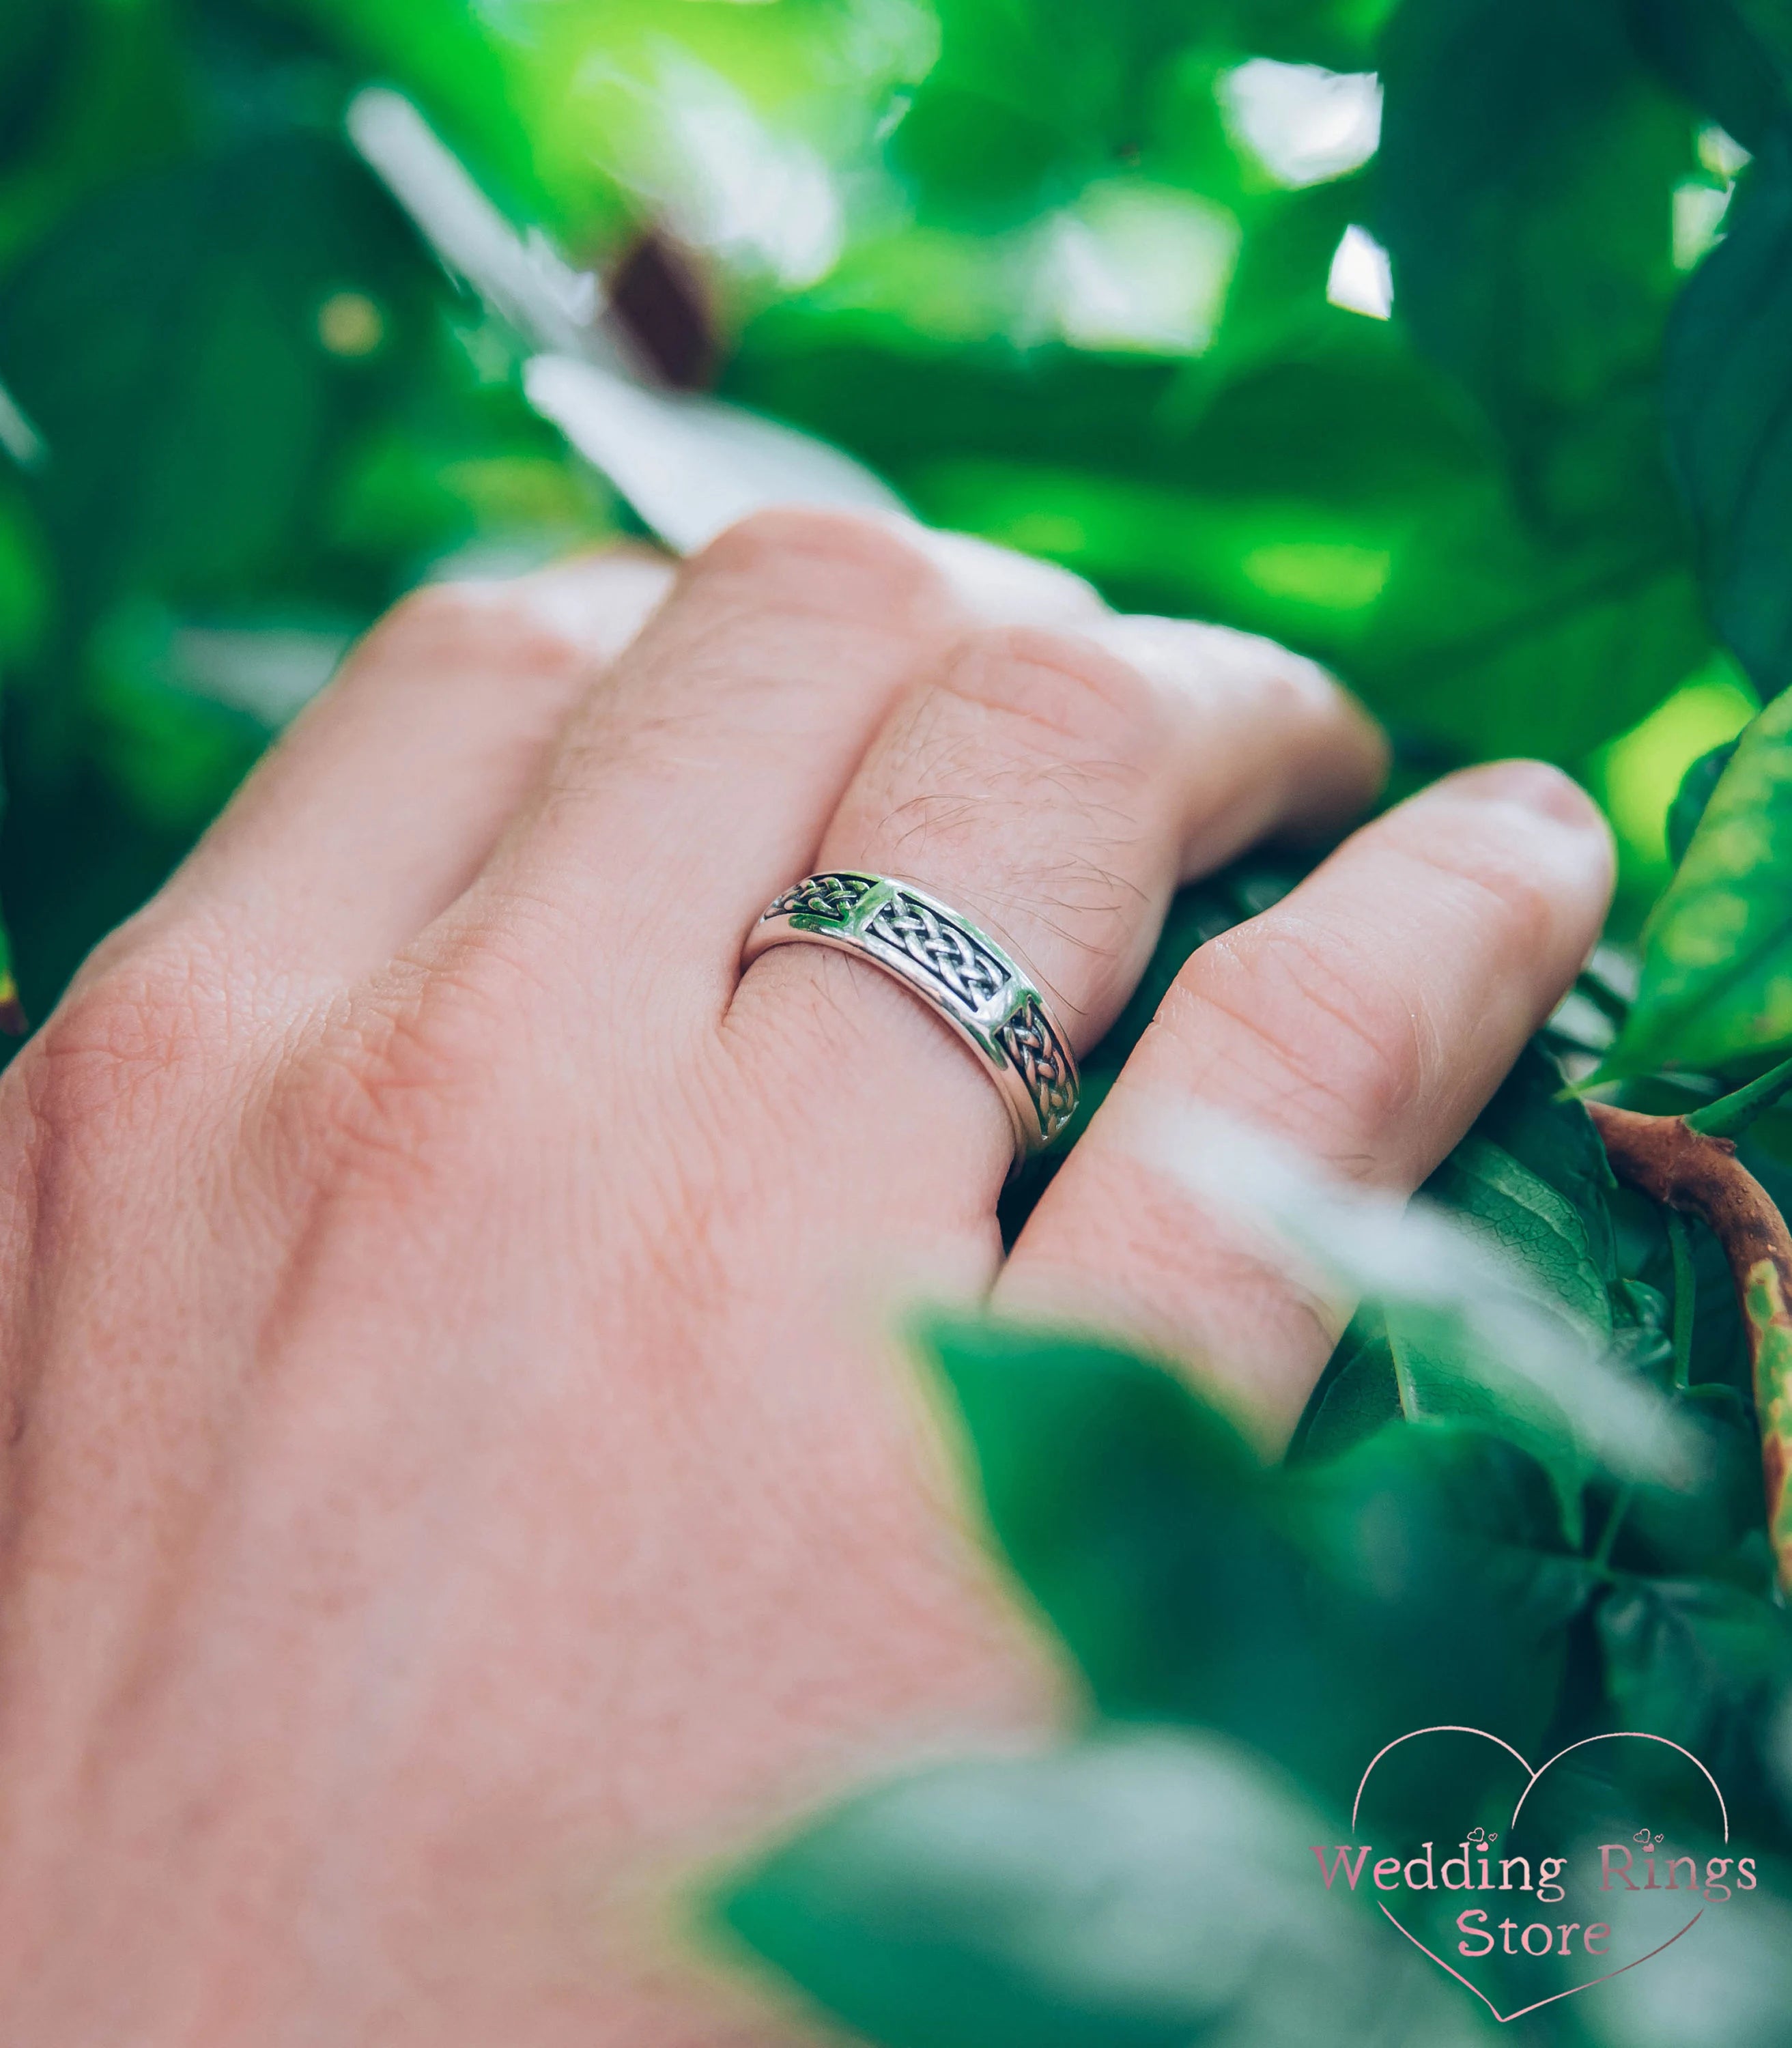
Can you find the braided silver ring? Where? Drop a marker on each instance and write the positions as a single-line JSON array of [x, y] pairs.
[[958, 971]]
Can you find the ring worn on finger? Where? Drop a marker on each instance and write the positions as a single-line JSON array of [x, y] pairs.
[[958, 971]]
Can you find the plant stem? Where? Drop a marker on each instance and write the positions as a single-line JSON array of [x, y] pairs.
[[1698, 1174], [1607, 1001], [1685, 1296], [1731, 1115]]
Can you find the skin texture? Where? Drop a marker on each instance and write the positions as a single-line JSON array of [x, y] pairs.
[[456, 1482]]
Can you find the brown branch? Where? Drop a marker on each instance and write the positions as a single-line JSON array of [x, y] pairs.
[[1702, 1176]]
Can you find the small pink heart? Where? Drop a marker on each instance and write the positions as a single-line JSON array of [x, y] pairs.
[[1531, 1780]]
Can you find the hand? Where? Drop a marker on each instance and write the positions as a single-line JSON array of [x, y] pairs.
[[456, 1480]]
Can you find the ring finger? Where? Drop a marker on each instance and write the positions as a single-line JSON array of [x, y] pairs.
[[1052, 789]]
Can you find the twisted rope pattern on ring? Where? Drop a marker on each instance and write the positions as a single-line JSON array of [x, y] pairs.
[[943, 948], [834, 896], [1031, 1043], [964, 976]]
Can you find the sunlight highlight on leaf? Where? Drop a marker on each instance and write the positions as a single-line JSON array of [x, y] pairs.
[[1361, 279], [1134, 266], [1638, 774], [18, 438], [1334, 578], [1303, 124], [684, 139]]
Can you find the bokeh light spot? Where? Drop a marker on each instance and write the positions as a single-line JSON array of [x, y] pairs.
[[1333, 577], [349, 323], [1303, 125]]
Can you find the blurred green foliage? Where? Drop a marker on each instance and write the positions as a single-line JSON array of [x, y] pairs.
[[1060, 271]]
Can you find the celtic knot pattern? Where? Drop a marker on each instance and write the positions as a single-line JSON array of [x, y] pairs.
[[951, 966], [834, 896], [945, 950], [1034, 1047]]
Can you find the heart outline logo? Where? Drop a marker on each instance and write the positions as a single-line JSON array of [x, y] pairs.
[[1532, 1777]]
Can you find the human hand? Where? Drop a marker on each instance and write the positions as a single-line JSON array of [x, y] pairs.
[[455, 1480]]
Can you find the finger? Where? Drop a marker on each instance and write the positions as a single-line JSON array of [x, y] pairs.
[[1052, 789], [1367, 1018], [700, 779], [387, 794]]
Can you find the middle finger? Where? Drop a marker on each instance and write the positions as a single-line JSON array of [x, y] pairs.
[[1051, 789], [704, 768]]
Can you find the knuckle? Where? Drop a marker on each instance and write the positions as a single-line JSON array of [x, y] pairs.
[[1311, 1022], [466, 625], [1506, 896], [1071, 693], [136, 1032], [833, 561], [398, 1085], [1527, 909]]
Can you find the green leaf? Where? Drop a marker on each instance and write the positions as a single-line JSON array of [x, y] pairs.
[[1192, 1583], [1524, 178], [1496, 639], [1731, 58], [35, 39], [1703, 1664], [1441, 1586], [1729, 378], [1309, 479], [1535, 1177], [1359, 1394], [1525, 183], [1674, 1533], [1342, 35], [1113, 1492], [1556, 1140], [1545, 1234], [478, 84], [1697, 788], [1719, 1352], [1717, 982], [1537, 1227], [166, 341], [1436, 1387], [1146, 1890]]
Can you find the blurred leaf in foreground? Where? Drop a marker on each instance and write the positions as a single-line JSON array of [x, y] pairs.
[[1422, 1577], [1493, 1322], [1142, 1890]]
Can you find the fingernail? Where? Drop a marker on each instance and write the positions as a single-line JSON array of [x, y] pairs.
[[1533, 785]]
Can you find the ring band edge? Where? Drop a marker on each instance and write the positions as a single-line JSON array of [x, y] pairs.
[[785, 923]]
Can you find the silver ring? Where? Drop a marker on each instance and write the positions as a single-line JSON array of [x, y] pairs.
[[958, 971]]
